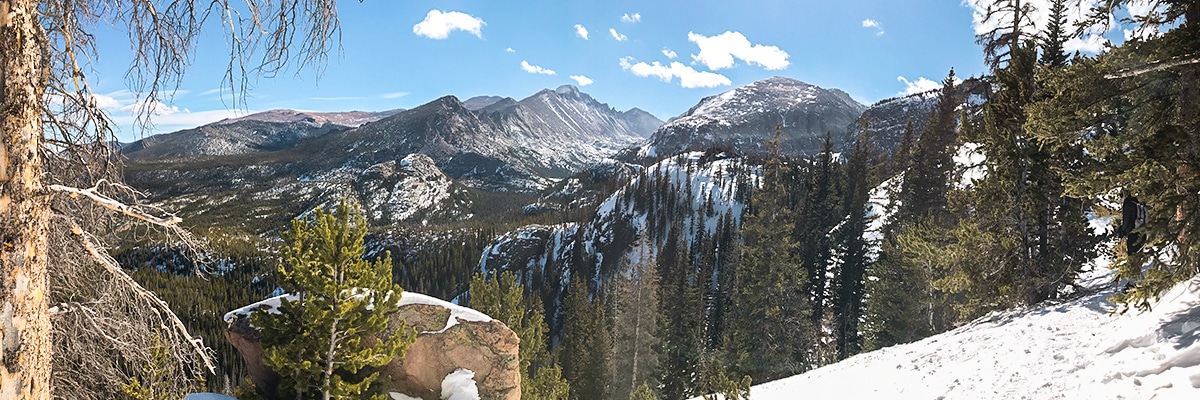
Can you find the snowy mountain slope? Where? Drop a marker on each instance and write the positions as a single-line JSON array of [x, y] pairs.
[[506, 146], [705, 188], [744, 117], [695, 192], [888, 117], [1075, 349], [411, 189]]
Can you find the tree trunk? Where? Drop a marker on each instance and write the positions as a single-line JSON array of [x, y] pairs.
[[24, 211]]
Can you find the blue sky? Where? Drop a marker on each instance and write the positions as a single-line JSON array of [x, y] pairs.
[[401, 54]]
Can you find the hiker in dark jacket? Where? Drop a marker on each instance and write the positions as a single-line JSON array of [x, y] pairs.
[[1133, 216]]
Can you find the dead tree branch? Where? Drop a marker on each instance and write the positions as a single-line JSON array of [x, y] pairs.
[[1152, 67], [164, 310]]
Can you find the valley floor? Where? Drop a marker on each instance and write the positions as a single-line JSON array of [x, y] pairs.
[[1077, 349]]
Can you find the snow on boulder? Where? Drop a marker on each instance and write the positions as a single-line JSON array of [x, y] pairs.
[[460, 385], [450, 337], [1075, 349]]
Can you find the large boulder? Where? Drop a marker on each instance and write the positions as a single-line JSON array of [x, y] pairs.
[[450, 337]]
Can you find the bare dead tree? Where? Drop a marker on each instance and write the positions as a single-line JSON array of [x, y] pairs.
[[60, 196]]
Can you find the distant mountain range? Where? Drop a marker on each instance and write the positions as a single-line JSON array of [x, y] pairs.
[[283, 162], [278, 164]]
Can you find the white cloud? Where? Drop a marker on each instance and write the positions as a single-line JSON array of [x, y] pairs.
[[582, 80], [509, 50], [438, 24], [616, 35], [670, 54], [633, 19], [688, 77], [1093, 44], [718, 52], [155, 108], [533, 69], [870, 23], [581, 31], [921, 85], [393, 95], [106, 102]]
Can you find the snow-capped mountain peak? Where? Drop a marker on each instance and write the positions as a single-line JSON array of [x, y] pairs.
[[742, 118]]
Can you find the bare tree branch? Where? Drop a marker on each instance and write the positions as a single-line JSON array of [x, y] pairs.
[[1152, 67], [117, 206], [111, 265]]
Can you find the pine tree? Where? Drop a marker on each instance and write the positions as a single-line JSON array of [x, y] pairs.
[[769, 328], [851, 272], [1012, 24], [587, 344], [504, 299], [1022, 197], [332, 332], [643, 392], [927, 181], [635, 359], [902, 158], [816, 221], [902, 303], [680, 319], [158, 385], [1055, 35]]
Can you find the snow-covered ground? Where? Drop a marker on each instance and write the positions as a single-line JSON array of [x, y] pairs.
[[1077, 349]]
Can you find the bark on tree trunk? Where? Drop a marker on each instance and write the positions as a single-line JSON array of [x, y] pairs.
[[24, 212]]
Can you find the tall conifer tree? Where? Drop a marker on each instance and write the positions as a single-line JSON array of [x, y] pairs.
[[326, 341], [851, 273], [769, 333], [587, 344]]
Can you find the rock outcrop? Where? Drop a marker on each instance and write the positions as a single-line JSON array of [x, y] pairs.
[[449, 337]]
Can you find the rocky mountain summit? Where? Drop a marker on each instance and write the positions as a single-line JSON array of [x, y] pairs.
[[742, 118]]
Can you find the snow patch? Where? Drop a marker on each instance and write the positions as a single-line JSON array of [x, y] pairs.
[[457, 313], [460, 385]]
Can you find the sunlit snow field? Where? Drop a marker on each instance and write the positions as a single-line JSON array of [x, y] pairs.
[[1076, 349]]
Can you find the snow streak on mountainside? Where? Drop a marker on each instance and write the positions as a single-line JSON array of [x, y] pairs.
[[743, 118], [694, 193], [705, 188]]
